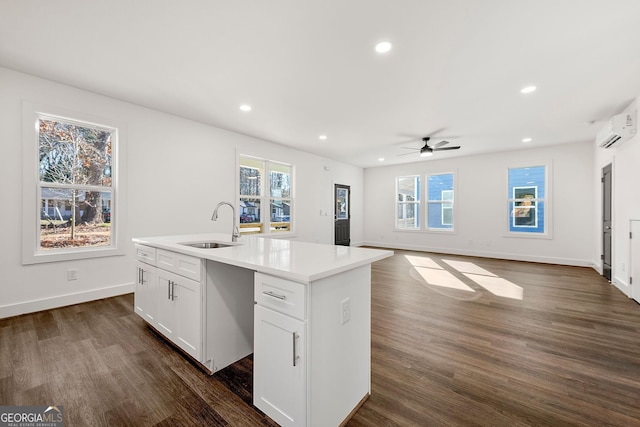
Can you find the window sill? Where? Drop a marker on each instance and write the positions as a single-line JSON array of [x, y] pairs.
[[70, 255], [423, 231], [515, 234]]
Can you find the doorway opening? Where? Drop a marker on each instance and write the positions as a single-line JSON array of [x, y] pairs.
[[342, 214], [606, 221]]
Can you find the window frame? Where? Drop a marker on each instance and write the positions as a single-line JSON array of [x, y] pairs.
[[546, 201], [423, 219], [31, 186], [265, 226], [441, 203], [416, 202]]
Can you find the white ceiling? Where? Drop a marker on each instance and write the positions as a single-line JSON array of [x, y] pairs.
[[309, 67]]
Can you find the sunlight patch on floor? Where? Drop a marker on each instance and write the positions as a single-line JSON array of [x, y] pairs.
[[497, 286], [418, 261], [442, 278], [468, 267], [436, 275]]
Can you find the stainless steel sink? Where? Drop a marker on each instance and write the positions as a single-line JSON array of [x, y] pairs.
[[206, 245]]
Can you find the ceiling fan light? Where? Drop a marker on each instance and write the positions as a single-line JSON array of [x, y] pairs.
[[426, 153]]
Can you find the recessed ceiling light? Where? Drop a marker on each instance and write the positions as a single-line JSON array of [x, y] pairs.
[[322, 137], [527, 139], [381, 159], [528, 89], [245, 107], [383, 47]]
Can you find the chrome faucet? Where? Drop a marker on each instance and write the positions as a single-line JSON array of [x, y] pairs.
[[236, 232]]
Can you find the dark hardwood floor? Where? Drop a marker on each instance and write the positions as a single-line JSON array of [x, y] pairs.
[[455, 341]]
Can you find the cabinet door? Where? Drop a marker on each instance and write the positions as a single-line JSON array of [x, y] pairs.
[[187, 298], [279, 367], [179, 311], [145, 292], [165, 306]]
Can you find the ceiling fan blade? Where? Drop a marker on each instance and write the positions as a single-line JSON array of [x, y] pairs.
[[440, 144], [405, 154], [410, 148], [446, 148]]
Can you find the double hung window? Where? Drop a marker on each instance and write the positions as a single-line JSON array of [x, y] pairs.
[[408, 202], [440, 201], [528, 200], [266, 196], [70, 173]]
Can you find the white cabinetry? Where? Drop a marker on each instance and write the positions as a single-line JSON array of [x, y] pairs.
[[179, 316], [203, 307], [303, 309], [280, 356], [169, 296], [180, 300], [146, 283], [312, 357]]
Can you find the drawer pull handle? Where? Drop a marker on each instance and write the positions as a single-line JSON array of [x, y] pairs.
[[295, 356], [272, 294]]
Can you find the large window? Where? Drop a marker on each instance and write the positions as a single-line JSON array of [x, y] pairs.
[[439, 194], [440, 201], [75, 185], [408, 202], [266, 196], [70, 187], [528, 200]]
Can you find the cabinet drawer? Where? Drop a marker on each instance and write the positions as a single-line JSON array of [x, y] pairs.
[[146, 254], [184, 265], [281, 295]]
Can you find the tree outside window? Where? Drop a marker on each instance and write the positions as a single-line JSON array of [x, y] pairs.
[[75, 185]]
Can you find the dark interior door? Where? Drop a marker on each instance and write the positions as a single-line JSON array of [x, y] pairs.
[[342, 214], [606, 221]]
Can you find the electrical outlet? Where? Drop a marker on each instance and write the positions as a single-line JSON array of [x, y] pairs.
[[72, 274], [345, 310]]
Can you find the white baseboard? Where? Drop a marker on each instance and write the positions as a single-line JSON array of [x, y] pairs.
[[486, 254], [64, 300]]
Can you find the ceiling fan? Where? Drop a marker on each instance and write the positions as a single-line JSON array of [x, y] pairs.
[[427, 150]]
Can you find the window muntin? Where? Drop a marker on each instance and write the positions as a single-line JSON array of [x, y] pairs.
[[408, 202], [440, 199], [265, 184], [75, 185], [527, 198]]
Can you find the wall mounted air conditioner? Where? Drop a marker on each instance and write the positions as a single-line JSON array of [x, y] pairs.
[[618, 129]]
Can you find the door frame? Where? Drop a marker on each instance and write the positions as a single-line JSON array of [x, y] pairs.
[[606, 231], [338, 221], [634, 263]]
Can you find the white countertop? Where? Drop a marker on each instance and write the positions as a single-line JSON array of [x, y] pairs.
[[299, 261]]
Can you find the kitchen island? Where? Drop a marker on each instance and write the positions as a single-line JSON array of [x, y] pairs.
[[302, 309]]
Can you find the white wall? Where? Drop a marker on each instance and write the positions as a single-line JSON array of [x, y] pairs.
[[177, 170], [625, 160], [481, 216]]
